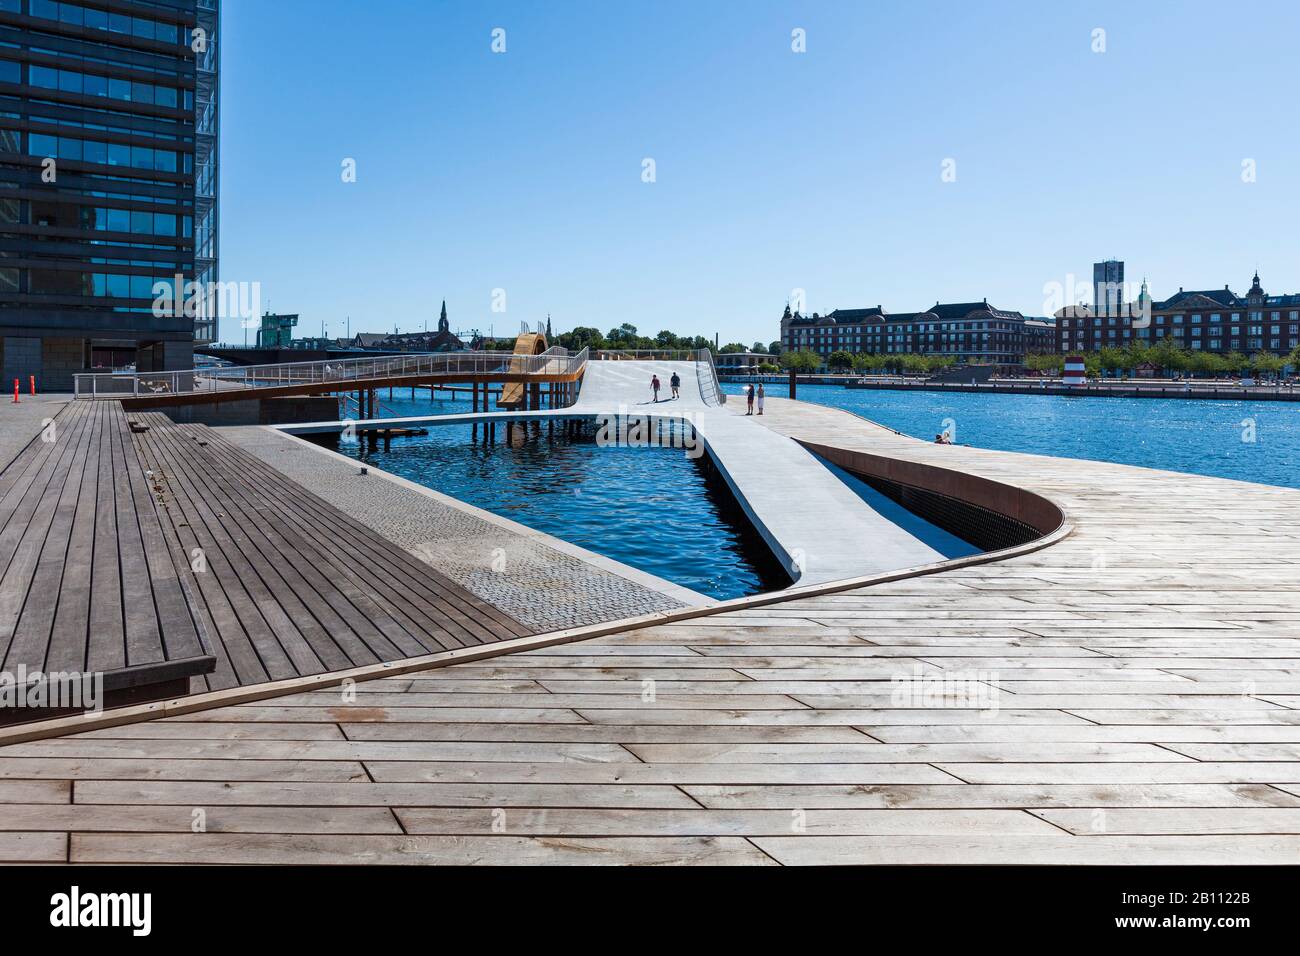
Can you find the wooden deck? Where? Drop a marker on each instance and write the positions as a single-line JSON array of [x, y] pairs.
[[1147, 676], [168, 552], [86, 583]]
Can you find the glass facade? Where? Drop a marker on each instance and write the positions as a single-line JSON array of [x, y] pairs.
[[108, 169]]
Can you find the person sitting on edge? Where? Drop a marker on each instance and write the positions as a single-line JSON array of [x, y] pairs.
[[749, 399], [654, 386], [760, 398], [675, 382], [941, 439]]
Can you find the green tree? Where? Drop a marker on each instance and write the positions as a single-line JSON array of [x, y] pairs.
[[582, 337], [1112, 359], [840, 361], [1235, 362], [732, 347], [801, 361], [1036, 362], [1266, 363], [1208, 363], [1169, 356], [776, 348]]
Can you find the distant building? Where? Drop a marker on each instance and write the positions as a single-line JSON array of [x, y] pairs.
[[1215, 320], [443, 340], [970, 332], [108, 159], [742, 361], [1107, 287], [276, 331]]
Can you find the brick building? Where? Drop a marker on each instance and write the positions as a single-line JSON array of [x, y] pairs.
[[970, 332], [1214, 320]]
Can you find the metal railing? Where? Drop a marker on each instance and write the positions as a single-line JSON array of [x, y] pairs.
[[710, 387], [335, 373], [649, 355]]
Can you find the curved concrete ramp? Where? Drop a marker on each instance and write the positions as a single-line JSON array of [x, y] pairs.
[[811, 519]]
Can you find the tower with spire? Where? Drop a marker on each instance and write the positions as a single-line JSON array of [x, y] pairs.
[[1256, 294], [443, 324]]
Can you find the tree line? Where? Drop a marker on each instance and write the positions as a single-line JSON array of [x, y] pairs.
[[1164, 355], [626, 337], [1169, 357], [806, 360]]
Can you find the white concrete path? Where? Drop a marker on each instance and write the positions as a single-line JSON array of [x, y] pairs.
[[816, 525]]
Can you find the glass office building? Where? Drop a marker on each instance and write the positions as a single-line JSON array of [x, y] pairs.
[[108, 184]]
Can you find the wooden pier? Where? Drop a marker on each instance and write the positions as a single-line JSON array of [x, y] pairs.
[[157, 552], [1128, 694]]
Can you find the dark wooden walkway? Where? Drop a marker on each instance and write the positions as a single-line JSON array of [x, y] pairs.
[[292, 585], [168, 552], [86, 582]]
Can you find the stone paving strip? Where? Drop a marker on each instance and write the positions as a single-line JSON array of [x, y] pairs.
[[464, 545]]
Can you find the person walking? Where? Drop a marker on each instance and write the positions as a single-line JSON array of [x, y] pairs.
[[676, 383], [654, 386], [749, 401], [760, 398]]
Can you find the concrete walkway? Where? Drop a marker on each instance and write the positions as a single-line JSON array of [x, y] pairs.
[[818, 527]]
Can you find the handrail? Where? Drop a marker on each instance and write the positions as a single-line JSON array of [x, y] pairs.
[[555, 361], [710, 385], [650, 355]]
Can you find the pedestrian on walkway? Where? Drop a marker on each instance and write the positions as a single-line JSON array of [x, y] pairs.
[[676, 383], [749, 401], [760, 398], [654, 386]]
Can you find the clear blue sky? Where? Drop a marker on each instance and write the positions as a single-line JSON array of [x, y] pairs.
[[775, 170]]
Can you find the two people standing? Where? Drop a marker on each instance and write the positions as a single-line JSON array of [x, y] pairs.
[[751, 397]]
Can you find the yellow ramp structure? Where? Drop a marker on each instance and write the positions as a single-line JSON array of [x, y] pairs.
[[528, 343]]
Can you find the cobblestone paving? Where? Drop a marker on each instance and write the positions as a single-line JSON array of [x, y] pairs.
[[534, 583], [20, 423]]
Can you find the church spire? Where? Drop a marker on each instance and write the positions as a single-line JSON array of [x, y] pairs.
[[443, 325]]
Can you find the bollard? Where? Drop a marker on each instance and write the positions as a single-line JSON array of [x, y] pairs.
[[15, 391], [33, 386]]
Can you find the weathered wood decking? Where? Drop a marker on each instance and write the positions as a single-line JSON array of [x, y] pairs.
[[293, 586], [1147, 710], [82, 555], [168, 552]]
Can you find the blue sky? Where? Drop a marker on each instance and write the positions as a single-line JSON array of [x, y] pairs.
[[774, 170]]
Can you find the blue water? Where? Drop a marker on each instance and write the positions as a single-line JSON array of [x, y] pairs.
[[1202, 437], [652, 508]]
